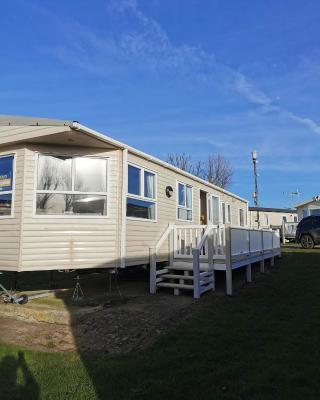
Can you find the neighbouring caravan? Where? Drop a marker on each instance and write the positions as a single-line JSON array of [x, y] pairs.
[[73, 198], [271, 217]]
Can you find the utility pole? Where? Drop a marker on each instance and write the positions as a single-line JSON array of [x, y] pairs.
[[256, 192]]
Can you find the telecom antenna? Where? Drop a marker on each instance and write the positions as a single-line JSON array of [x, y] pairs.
[[293, 195]]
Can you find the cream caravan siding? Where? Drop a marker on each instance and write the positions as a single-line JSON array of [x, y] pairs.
[[11, 134], [62, 242], [142, 234], [10, 227]]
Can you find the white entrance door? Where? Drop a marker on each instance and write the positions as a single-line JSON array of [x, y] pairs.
[[213, 210]]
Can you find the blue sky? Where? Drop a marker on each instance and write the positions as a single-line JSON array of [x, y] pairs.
[[165, 76]]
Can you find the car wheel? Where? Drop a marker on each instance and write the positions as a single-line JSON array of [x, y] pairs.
[[307, 242]]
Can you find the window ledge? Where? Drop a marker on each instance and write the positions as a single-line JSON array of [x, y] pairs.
[[141, 219]]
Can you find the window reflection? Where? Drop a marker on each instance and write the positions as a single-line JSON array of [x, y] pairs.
[[140, 209], [91, 175], [5, 204], [133, 180], [6, 173], [54, 173], [58, 204], [70, 186]]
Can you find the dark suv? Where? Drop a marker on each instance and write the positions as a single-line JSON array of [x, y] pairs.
[[308, 232]]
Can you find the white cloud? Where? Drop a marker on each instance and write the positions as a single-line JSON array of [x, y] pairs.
[[147, 47]]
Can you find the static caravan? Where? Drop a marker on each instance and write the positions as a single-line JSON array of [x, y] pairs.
[[271, 217], [73, 198], [308, 207]]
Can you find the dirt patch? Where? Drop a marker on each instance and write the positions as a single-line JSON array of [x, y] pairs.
[[106, 329], [107, 322]]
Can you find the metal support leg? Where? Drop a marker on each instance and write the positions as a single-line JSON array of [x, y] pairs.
[[77, 293]]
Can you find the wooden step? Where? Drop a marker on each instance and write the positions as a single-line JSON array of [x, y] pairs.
[[204, 289], [175, 285], [162, 271], [187, 266], [177, 276]]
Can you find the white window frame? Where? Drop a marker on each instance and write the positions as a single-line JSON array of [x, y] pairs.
[[244, 217], [12, 192], [227, 208], [184, 207], [72, 192], [209, 204], [143, 198]]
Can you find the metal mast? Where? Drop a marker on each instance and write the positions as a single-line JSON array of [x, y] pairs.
[[256, 192]]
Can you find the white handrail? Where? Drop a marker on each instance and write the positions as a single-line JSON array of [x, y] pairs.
[[204, 237], [196, 259], [153, 257], [164, 236]]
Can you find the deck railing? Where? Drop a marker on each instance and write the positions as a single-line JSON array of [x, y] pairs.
[[221, 247], [188, 237], [245, 246]]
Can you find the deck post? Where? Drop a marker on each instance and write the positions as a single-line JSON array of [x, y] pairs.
[[196, 273], [283, 233], [228, 262], [153, 270], [272, 258], [210, 257], [248, 267], [171, 246], [262, 266]]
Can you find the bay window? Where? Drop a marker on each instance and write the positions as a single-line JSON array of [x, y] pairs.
[[6, 185], [71, 186], [184, 202], [141, 196]]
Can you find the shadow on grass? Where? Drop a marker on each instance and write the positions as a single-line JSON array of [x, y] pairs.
[[261, 344], [18, 381]]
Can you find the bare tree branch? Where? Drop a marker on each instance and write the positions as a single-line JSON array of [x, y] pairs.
[[218, 170], [182, 161], [215, 169]]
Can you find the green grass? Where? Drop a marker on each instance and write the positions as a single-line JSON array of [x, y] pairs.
[[264, 343]]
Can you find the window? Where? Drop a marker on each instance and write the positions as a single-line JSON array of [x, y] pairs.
[[266, 220], [223, 206], [295, 218], [284, 219], [184, 202], [141, 193], [241, 217], [226, 213], [71, 186], [214, 210], [6, 185], [315, 211]]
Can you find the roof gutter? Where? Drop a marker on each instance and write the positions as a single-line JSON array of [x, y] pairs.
[[116, 143]]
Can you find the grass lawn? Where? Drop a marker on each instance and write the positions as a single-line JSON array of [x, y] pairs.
[[264, 343]]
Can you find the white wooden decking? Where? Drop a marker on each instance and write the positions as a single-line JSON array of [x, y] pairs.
[[195, 252]]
